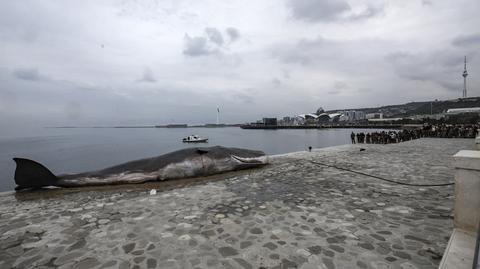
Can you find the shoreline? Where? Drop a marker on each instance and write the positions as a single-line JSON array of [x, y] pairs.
[[180, 182], [273, 159]]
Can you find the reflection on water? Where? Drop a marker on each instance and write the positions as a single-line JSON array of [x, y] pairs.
[[80, 150]]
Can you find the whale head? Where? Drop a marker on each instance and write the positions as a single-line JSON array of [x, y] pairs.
[[213, 160]]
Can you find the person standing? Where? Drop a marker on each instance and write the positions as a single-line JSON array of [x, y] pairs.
[[352, 136]]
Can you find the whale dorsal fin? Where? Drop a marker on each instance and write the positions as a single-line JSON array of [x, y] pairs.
[[31, 174]]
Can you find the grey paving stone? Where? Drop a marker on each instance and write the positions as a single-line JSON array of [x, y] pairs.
[[227, 251], [270, 246], [243, 263], [68, 257], [128, 247], [87, 263], [256, 231], [328, 263], [109, 264], [245, 244], [288, 264], [337, 248], [402, 254], [315, 249], [367, 246]]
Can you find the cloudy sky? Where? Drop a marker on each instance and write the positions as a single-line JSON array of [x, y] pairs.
[[113, 62]]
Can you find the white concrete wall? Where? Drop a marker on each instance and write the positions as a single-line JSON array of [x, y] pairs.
[[467, 190], [460, 251]]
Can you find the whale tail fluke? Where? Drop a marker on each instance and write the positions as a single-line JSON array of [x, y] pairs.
[[31, 175]]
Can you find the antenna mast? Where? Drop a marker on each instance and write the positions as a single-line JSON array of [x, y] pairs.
[[465, 74]]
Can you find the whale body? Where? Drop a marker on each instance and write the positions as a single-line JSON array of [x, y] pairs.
[[184, 163]]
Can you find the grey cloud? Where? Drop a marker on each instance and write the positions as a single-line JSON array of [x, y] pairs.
[[340, 85], [148, 75], [368, 12], [364, 90], [440, 67], [330, 10], [30, 74], [334, 92], [333, 55], [196, 46], [214, 35], [211, 42], [244, 98], [305, 51], [318, 10], [467, 40], [276, 82], [427, 2], [233, 33]]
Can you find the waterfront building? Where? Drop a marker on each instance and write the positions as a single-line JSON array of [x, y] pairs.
[[384, 120], [454, 111], [374, 116], [353, 115], [437, 116], [324, 117], [343, 118], [287, 121], [320, 111], [335, 117], [308, 118], [269, 121], [360, 115], [349, 115]]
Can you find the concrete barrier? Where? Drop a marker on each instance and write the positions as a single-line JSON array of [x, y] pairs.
[[467, 190], [460, 251]]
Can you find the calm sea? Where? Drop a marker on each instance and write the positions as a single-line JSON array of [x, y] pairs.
[[84, 149]]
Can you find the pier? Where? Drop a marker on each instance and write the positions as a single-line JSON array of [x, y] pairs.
[[295, 213]]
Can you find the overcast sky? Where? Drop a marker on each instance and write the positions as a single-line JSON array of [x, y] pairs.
[[94, 62]]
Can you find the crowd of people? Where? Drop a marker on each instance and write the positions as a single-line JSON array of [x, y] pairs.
[[440, 131]]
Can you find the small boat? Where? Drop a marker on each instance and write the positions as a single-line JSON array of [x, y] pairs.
[[194, 139]]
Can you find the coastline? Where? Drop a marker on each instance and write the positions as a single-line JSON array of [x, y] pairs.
[[147, 185]]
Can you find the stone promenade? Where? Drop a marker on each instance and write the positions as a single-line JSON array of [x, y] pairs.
[[290, 214]]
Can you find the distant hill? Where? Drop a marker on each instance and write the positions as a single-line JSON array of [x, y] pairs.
[[416, 108]]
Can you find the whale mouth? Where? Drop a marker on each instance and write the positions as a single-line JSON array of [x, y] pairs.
[[255, 160]]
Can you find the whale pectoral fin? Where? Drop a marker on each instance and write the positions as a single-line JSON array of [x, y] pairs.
[[31, 174], [262, 160]]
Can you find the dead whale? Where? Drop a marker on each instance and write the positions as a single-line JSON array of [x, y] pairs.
[[184, 163]]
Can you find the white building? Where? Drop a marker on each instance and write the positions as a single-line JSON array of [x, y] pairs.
[[454, 111], [374, 116]]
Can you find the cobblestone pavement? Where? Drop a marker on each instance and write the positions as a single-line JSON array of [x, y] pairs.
[[291, 214]]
